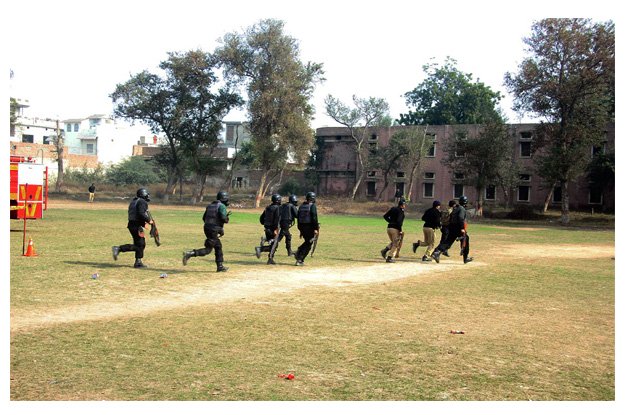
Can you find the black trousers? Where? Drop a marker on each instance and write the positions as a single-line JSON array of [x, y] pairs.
[[308, 233], [269, 236], [285, 233], [455, 231], [138, 241], [211, 243]]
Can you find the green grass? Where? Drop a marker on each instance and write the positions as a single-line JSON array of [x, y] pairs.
[[539, 321]]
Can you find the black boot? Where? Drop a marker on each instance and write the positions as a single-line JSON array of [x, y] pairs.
[[383, 252], [270, 261], [415, 246], [221, 268], [389, 259], [139, 264], [186, 255]]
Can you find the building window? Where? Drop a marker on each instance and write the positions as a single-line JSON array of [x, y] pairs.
[[459, 176], [89, 148], [461, 139], [370, 188], [525, 177], [373, 146], [523, 194], [399, 187], [428, 190], [595, 196], [557, 195], [68, 128], [432, 150], [370, 173], [458, 190], [28, 138], [76, 126], [46, 140], [525, 149], [598, 149], [490, 193], [374, 137], [429, 175], [401, 174], [526, 135], [230, 133]]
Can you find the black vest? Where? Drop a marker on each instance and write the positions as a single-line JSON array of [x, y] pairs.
[[211, 216], [303, 215], [132, 210]]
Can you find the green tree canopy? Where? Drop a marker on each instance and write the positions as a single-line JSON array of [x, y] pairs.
[[567, 81], [448, 96], [279, 88], [185, 103]]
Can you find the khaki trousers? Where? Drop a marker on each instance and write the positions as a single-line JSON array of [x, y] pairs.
[[393, 235], [429, 235]]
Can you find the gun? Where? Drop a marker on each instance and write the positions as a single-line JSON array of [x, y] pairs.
[[274, 245], [154, 230], [399, 244], [314, 242]]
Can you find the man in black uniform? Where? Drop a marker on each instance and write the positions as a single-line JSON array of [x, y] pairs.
[[308, 225], [138, 216], [288, 213], [215, 216], [270, 219], [457, 229], [395, 218]]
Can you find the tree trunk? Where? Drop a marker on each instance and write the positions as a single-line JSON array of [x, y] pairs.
[[480, 201], [548, 198], [59, 152], [413, 172], [360, 171], [565, 219], [379, 199]]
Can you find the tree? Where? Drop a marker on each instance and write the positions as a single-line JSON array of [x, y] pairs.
[[59, 149], [601, 172], [388, 160], [568, 82], [417, 142], [448, 96], [484, 158], [185, 105], [279, 87], [359, 120], [133, 170]]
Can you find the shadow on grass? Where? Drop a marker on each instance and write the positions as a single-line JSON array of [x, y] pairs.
[[107, 265]]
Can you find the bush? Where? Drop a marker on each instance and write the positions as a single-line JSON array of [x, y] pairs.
[[291, 187], [524, 212], [134, 170]]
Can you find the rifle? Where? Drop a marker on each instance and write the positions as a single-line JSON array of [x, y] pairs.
[[154, 230], [314, 242], [399, 244], [274, 245]]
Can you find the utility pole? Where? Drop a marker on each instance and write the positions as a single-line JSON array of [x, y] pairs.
[[59, 154]]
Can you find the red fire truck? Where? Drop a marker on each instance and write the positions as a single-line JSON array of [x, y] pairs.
[[29, 188]]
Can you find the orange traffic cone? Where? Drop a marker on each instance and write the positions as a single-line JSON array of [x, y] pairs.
[[30, 251]]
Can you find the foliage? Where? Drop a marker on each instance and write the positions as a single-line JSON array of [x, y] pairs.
[[133, 170], [86, 175], [183, 104], [449, 96], [279, 88], [568, 80], [388, 159], [291, 187], [417, 142], [484, 158], [360, 119]]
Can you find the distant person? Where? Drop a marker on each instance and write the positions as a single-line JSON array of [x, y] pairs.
[[270, 219], [395, 219], [457, 229], [214, 218], [431, 222], [91, 193], [308, 225], [398, 195], [138, 217]]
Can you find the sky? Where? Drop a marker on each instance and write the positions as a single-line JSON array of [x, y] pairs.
[[68, 56]]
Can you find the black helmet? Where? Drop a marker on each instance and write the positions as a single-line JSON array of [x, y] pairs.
[[143, 194], [462, 200], [276, 198], [223, 197], [311, 196], [293, 199], [401, 201]]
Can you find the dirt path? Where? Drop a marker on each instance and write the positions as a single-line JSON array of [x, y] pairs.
[[246, 286]]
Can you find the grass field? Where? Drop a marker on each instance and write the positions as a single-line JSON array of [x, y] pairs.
[[537, 307]]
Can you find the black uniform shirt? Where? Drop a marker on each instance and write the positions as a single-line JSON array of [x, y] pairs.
[[432, 218], [270, 218], [395, 217]]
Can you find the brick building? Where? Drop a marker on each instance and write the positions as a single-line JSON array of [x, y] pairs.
[[338, 165]]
